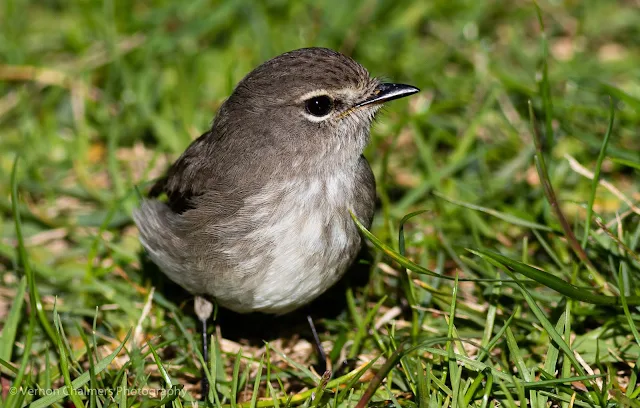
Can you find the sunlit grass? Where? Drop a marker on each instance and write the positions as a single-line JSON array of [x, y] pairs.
[[504, 271]]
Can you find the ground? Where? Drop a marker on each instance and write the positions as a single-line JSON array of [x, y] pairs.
[[517, 285]]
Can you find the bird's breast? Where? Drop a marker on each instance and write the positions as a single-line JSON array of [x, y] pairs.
[[307, 240]]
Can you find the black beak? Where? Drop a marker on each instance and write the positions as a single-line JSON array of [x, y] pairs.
[[388, 92]]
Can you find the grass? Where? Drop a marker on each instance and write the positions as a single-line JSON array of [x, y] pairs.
[[506, 257]]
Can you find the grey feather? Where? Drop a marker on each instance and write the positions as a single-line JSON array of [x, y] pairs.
[[258, 207]]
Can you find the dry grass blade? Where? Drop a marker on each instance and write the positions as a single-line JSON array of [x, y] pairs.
[[555, 205], [580, 169], [379, 377]]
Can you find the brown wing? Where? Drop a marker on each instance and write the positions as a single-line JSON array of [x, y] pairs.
[[187, 177]]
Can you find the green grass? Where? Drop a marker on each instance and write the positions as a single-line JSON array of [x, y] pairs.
[[505, 290]]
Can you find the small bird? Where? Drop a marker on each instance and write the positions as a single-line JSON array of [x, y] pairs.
[[258, 210]]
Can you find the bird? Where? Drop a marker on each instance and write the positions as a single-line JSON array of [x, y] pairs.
[[258, 209]]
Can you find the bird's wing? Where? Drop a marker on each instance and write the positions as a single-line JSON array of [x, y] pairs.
[[174, 233], [187, 177]]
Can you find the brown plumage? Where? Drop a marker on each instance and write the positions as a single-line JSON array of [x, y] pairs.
[[258, 207]]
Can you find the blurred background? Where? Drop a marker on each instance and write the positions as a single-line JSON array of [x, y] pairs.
[[98, 97]]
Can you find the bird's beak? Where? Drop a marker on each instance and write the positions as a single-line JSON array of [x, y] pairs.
[[388, 92]]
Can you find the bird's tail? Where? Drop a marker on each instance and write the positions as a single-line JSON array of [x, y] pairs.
[[160, 236], [155, 220]]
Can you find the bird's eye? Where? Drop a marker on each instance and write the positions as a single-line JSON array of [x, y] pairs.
[[319, 105]]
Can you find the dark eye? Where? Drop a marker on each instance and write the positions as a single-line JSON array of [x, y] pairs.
[[319, 105]]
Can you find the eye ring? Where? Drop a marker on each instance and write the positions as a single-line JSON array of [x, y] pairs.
[[319, 106]]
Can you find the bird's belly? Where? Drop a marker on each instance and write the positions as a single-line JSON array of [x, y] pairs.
[[306, 257], [306, 247]]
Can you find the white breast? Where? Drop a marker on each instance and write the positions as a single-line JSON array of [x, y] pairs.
[[311, 246]]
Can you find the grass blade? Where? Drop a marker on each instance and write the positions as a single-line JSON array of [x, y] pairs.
[[596, 176], [503, 216], [10, 327], [34, 296], [554, 282]]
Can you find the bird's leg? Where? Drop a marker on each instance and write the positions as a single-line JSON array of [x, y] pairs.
[[322, 356], [203, 309]]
